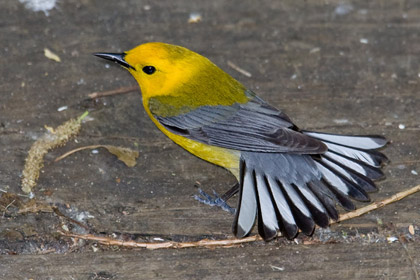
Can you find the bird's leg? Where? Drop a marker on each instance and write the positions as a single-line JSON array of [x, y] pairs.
[[231, 192], [216, 200]]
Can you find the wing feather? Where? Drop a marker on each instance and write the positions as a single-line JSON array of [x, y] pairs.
[[254, 127]]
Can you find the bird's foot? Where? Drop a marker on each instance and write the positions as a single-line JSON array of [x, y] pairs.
[[214, 200]]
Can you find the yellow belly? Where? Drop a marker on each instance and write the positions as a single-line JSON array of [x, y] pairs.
[[223, 157], [226, 158]]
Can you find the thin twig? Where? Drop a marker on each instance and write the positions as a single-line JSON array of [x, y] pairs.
[[234, 241], [77, 150], [112, 92], [58, 213], [163, 245], [240, 70], [7, 206], [379, 204], [125, 155]]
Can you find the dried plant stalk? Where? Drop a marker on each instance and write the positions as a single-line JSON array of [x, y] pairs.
[[50, 140], [126, 155], [227, 243], [113, 92]]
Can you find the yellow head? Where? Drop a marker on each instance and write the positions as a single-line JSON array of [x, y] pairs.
[[183, 77], [161, 68]]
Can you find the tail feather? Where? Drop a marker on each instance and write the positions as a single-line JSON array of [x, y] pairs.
[[316, 208], [287, 221], [326, 197], [295, 199], [359, 179], [247, 208], [299, 209], [267, 218], [340, 183], [369, 171], [339, 197], [365, 142], [372, 158]]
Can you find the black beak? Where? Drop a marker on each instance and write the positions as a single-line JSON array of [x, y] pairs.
[[116, 57]]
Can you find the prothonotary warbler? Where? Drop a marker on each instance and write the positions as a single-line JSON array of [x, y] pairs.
[[288, 178]]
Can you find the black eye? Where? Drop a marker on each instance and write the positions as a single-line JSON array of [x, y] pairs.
[[149, 70]]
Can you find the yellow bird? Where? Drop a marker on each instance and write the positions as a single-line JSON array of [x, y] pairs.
[[288, 178]]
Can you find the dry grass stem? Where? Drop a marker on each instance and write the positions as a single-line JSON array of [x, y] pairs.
[[240, 70], [379, 204], [228, 242], [163, 245], [113, 92], [126, 155]]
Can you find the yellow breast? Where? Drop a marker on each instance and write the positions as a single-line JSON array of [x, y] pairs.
[[226, 158]]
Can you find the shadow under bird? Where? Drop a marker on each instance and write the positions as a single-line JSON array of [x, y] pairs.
[[288, 178]]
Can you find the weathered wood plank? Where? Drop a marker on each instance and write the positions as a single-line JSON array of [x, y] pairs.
[[259, 261], [348, 68]]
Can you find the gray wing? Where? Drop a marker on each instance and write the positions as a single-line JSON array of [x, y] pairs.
[[252, 127]]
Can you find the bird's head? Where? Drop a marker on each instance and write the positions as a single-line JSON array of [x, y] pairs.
[[168, 70], [159, 68]]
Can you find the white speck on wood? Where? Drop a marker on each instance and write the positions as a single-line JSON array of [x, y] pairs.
[[39, 5], [364, 41], [62, 108]]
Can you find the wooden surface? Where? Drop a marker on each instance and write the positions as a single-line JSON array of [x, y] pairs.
[[331, 66]]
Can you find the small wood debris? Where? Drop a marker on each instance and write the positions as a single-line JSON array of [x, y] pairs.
[[50, 55], [411, 229], [240, 70], [194, 18]]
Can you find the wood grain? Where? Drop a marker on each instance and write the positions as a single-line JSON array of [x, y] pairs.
[[330, 65]]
